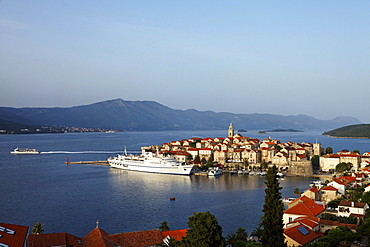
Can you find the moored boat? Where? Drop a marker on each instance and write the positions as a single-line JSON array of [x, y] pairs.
[[25, 151], [214, 171], [150, 163]]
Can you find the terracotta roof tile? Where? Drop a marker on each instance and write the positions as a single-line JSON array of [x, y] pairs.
[[13, 235], [176, 234], [352, 204], [299, 237], [98, 238], [337, 223], [329, 188], [54, 239], [138, 239], [305, 207]]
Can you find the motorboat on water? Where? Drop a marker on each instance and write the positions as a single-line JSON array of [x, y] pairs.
[[214, 171], [25, 151], [318, 184], [148, 162]]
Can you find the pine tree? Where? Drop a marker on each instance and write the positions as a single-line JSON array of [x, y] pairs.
[[272, 219]]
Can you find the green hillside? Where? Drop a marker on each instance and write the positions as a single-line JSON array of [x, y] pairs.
[[351, 131]]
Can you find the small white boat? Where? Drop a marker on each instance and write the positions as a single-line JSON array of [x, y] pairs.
[[262, 173], [214, 171], [288, 199], [25, 151], [318, 184], [252, 173], [280, 174]]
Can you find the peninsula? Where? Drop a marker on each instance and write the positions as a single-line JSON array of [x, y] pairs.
[[351, 131]]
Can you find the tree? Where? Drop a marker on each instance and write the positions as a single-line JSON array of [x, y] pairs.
[[343, 166], [204, 231], [37, 228], [315, 160], [164, 226], [272, 219], [328, 150], [297, 192], [238, 239]]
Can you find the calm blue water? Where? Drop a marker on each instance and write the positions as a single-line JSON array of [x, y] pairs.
[[70, 198]]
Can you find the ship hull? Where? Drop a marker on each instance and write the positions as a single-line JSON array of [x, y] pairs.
[[151, 166]]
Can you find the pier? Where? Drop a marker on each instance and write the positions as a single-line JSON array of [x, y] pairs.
[[99, 162]]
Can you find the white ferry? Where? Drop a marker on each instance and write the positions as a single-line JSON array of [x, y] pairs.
[[24, 151], [150, 163]]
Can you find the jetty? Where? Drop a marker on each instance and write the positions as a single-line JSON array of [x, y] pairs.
[[99, 162]]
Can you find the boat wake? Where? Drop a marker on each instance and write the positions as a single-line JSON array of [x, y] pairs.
[[81, 152]]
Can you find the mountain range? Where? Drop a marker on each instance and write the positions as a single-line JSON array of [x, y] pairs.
[[151, 116]]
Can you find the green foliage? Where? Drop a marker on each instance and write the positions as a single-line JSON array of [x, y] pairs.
[[315, 161], [204, 231], [343, 166], [364, 228], [341, 219], [334, 203], [37, 228], [328, 150], [164, 226], [277, 147], [238, 239], [257, 232], [297, 192], [358, 130], [272, 219], [336, 236], [365, 197]]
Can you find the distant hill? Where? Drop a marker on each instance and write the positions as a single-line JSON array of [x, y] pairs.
[[150, 115], [352, 131]]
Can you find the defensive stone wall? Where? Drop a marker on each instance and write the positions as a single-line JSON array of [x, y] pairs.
[[301, 168]]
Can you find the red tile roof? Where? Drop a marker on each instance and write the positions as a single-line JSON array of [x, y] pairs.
[[309, 221], [352, 204], [13, 235], [138, 239], [54, 239], [329, 188], [344, 180], [98, 238], [306, 207], [299, 237], [337, 223], [176, 234], [314, 190]]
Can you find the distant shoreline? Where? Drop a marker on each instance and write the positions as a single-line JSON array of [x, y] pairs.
[[347, 137]]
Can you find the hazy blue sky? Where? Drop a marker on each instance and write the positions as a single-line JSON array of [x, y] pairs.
[[279, 57]]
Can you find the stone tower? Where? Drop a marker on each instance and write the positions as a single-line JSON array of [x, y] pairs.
[[317, 149], [230, 132]]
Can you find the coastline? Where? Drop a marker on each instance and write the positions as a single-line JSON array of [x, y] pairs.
[[348, 137]]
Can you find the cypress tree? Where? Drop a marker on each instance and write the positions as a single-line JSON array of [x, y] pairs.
[[272, 219]]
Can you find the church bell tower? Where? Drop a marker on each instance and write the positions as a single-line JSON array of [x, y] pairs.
[[230, 132]]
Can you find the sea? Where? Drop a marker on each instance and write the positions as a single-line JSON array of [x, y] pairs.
[[75, 198]]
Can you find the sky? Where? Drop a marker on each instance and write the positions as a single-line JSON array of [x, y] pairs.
[[277, 57]]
